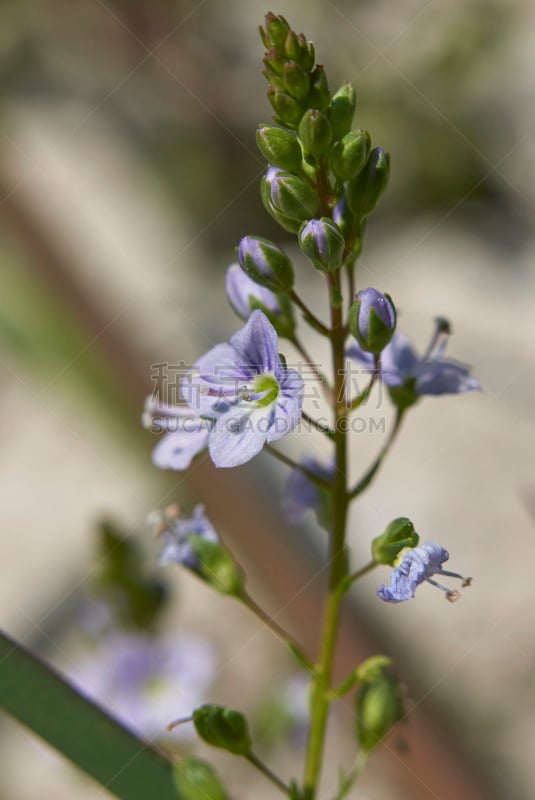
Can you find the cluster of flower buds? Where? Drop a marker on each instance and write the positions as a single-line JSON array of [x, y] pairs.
[[319, 166]]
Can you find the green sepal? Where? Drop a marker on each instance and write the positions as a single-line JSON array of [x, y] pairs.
[[275, 32], [295, 202], [349, 155], [279, 147], [404, 396], [379, 707], [315, 132], [217, 566], [364, 191], [398, 535], [196, 780], [223, 727], [343, 107]]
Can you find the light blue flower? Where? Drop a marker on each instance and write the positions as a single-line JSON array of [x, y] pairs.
[[243, 292], [146, 682], [418, 565], [247, 390], [186, 434], [174, 532], [431, 374]]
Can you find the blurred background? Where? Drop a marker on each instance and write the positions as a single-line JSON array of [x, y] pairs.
[[128, 174]]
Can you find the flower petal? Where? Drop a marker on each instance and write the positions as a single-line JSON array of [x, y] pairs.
[[238, 436], [435, 377], [177, 450], [257, 344], [288, 406]]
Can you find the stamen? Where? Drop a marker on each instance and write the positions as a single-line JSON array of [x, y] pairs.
[[439, 338], [443, 588]]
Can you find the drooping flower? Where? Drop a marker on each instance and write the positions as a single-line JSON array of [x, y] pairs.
[[243, 293], [186, 434], [431, 374], [417, 565], [246, 388], [147, 681], [175, 530], [302, 494]]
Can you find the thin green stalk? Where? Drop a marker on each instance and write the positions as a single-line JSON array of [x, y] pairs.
[[295, 465], [321, 682], [274, 626], [268, 773], [371, 473], [312, 318], [318, 425], [322, 378]]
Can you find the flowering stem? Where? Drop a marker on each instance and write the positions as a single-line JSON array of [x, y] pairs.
[[294, 465], [371, 473], [359, 574], [318, 425], [321, 377], [311, 318], [274, 626], [320, 700], [268, 773]]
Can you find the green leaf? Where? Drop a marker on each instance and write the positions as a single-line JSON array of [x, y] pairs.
[[40, 699]]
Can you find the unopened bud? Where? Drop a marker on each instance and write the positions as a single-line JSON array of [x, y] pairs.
[[288, 199], [265, 263], [321, 241], [296, 81], [349, 155], [319, 96], [365, 190], [315, 132], [372, 320], [287, 109], [196, 780], [379, 708], [342, 111], [280, 147]]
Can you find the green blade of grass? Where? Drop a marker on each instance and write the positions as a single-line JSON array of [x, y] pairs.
[[40, 699]]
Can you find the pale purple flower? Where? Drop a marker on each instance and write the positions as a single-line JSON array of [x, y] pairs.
[[247, 390], [243, 292], [418, 565], [146, 682], [430, 374], [186, 434], [174, 532]]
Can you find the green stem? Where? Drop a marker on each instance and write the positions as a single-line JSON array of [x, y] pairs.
[[318, 425], [268, 773], [274, 626], [321, 377], [321, 682], [294, 465], [371, 473], [312, 318]]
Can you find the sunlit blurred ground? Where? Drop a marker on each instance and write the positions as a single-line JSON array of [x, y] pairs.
[[141, 174]]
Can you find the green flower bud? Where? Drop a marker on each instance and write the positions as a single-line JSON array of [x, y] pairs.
[[280, 147], [276, 31], [348, 156], [217, 566], [379, 707], [298, 49], [288, 199], [342, 110], [274, 65], [404, 396], [372, 320], [364, 191], [398, 535], [265, 263], [321, 241], [315, 132], [320, 96], [223, 727], [196, 780], [344, 218], [372, 669], [296, 81], [287, 109]]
